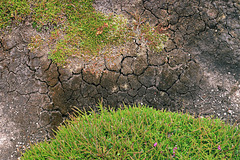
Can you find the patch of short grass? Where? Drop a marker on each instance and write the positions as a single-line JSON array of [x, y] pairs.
[[78, 29], [140, 132], [13, 10]]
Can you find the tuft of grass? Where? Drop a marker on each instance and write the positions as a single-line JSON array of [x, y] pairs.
[[79, 29], [13, 10], [139, 132]]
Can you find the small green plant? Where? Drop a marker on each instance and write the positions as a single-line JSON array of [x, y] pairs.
[[79, 29], [140, 132]]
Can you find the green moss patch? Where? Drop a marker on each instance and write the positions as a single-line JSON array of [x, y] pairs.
[[78, 28], [140, 132]]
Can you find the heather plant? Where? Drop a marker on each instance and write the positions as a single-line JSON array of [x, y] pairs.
[[139, 132], [77, 29]]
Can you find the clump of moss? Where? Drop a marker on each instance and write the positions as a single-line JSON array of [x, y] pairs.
[[140, 132], [78, 28]]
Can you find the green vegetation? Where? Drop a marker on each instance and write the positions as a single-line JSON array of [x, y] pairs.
[[140, 132], [79, 30], [12, 9]]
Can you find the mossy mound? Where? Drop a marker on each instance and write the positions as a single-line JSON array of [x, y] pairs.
[[140, 132]]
